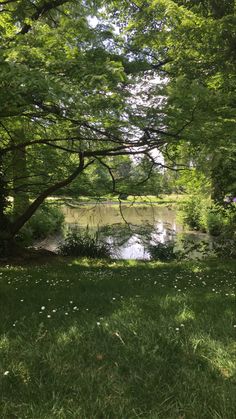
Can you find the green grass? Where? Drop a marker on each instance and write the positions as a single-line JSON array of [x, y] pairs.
[[81, 339]]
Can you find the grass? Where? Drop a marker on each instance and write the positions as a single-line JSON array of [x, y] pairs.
[[82, 339]]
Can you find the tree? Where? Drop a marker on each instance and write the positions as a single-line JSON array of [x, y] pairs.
[[74, 95], [193, 45], [64, 100]]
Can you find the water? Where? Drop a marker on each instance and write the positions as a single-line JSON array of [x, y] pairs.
[[129, 229]]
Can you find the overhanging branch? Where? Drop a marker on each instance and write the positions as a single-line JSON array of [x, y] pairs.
[[20, 221], [41, 11]]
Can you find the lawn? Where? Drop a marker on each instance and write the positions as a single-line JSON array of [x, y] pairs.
[[81, 339]]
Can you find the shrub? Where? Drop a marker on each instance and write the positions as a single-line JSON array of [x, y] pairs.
[[163, 251], [220, 220], [183, 249], [193, 212], [215, 220], [225, 247], [230, 226], [83, 244], [190, 247], [47, 220], [200, 213], [225, 244]]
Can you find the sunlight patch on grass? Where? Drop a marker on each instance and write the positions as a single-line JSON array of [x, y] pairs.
[[71, 335], [221, 356], [117, 263], [172, 300], [18, 372], [4, 343], [185, 315], [197, 269], [86, 262]]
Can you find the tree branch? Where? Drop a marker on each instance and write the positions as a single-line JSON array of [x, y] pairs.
[[110, 172], [20, 221], [41, 10]]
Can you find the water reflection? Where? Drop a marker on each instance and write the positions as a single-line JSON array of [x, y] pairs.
[[104, 215], [129, 230]]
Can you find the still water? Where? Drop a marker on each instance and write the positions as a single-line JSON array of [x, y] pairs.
[[129, 229]]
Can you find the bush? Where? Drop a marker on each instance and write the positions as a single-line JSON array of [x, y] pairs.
[[192, 212], [163, 251], [200, 213], [83, 244], [184, 249], [47, 220], [193, 247], [225, 247], [215, 220], [230, 226], [220, 220]]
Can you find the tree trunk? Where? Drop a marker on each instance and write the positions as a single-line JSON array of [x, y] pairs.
[[3, 196], [4, 222], [19, 165], [27, 214], [10, 230]]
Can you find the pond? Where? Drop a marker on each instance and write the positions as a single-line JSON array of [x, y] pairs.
[[129, 229]]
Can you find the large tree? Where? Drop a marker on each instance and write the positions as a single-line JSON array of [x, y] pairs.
[[78, 90]]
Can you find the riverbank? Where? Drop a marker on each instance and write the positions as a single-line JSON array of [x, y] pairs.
[[124, 339], [166, 200]]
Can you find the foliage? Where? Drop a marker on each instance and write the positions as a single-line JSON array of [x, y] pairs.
[[215, 220], [221, 220], [163, 251], [182, 248], [56, 118], [47, 220], [191, 212], [201, 213], [193, 180], [84, 244], [223, 173], [117, 96], [225, 246]]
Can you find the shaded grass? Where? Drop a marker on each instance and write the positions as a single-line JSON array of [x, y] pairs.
[[125, 339]]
